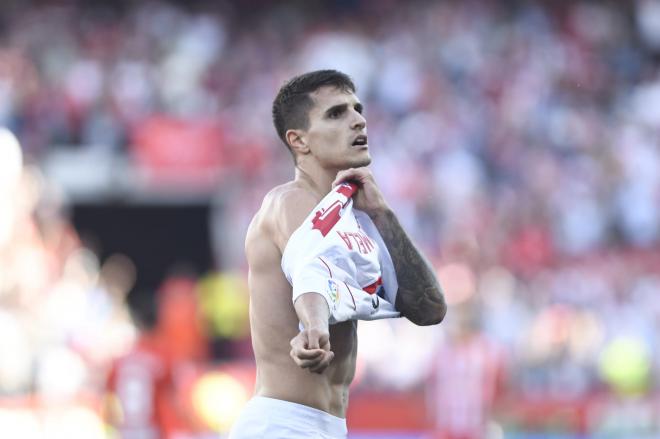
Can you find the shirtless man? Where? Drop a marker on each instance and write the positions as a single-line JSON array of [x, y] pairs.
[[303, 376]]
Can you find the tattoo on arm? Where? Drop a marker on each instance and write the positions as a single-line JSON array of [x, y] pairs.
[[420, 298]]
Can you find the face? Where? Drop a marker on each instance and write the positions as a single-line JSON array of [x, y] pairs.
[[337, 134]]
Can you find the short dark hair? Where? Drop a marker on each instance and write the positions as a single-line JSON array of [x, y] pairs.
[[292, 103]]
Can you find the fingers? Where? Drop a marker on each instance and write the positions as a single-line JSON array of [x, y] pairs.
[[357, 174], [316, 361], [312, 342], [306, 354], [323, 363], [345, 175], [311, 350], [318, 364], [300, 349], [317, 339], [325, 343]]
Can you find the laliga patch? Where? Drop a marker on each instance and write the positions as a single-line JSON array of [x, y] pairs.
[[333, 290]]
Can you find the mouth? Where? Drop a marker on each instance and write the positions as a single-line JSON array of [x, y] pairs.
[[360, 141]]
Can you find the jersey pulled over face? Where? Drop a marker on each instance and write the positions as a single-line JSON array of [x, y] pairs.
[[337, 134]]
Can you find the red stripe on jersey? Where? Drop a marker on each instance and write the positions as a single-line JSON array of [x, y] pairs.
[[371, 289]]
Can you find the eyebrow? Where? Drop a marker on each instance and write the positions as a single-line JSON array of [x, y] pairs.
[[342, 107], [339, 107]]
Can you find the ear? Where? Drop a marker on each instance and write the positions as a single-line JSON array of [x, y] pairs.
[[296, 140]]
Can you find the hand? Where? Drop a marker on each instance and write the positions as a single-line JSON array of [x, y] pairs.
[[310, 349], [368, 198]]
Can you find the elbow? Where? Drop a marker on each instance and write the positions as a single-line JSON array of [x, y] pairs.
[[438, 309], [434, 313], [441, 312]]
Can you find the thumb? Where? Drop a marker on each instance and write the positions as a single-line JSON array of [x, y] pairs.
[[312, 340]]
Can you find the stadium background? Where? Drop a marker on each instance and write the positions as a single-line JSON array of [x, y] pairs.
[[517, 141]]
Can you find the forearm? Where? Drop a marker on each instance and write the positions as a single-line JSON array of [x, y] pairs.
[[312, 310], [419, 298]]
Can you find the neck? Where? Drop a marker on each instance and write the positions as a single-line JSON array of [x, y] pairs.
[[317, 178]]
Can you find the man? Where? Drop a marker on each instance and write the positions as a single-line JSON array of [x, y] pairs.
[[303, 372]]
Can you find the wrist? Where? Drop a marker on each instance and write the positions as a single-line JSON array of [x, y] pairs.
[[312, 310], [381, 213], [317, 325]]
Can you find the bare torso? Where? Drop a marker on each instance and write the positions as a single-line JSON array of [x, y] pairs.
[[273, 319]]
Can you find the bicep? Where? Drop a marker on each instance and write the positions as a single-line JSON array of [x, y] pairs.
[[263, 257], [270, 292]]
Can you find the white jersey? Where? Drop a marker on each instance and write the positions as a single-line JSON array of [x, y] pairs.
[[337, 252]]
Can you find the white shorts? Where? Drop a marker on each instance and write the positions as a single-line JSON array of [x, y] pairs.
[[277, 419]]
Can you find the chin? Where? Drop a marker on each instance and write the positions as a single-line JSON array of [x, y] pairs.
[[361, 161], [355, 164], [351, 161], [365, 162]]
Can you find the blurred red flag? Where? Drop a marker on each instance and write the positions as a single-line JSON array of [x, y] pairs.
[[170, 150]]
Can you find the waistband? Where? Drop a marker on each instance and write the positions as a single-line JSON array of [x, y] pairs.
[[302, 414]]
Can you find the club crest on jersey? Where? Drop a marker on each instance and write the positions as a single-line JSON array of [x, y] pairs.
[[325, 220], [333, 290]]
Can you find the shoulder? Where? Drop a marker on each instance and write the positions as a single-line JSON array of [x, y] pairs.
[[292, 204], [282, 211]]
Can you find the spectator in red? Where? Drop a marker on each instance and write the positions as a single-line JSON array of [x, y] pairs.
[[466, 379], [140, 401]]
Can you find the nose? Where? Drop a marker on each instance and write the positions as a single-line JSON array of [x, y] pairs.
[[359, 122]]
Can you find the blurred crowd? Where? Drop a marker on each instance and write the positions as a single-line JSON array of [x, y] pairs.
[[77, 348], [518, 142]]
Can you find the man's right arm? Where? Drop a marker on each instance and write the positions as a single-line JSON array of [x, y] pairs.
[[311, 347]]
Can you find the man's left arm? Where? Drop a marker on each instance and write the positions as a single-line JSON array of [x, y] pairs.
[[419, 298]]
